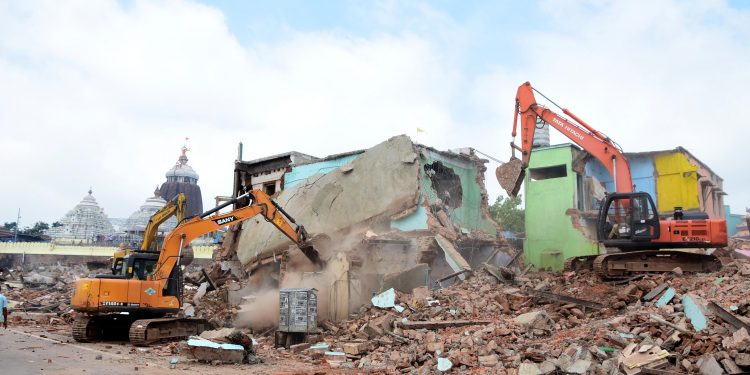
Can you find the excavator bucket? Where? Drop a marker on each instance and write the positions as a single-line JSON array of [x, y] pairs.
[[510, 175], [311, 246]]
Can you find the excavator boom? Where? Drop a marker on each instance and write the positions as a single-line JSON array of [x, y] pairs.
[[175, 207], [511, 174]]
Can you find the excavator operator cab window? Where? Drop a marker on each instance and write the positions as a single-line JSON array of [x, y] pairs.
[[140, 268], [642, 209], [645, 225], [630, 217]]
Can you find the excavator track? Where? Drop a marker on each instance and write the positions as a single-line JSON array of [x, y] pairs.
[[627, 264], [581, 263], [88, 328], [81, 331], [144, 332]]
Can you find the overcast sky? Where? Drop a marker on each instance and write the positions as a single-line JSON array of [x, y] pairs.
[[103, 93]]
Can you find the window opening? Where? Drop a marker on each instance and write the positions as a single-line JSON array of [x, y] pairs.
[[545, 173]]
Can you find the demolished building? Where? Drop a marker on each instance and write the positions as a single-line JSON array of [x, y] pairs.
[[399, 215]]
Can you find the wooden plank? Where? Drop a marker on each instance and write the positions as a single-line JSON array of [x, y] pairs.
[[727, 316], [567, 299], [438, 324], [654, 292]]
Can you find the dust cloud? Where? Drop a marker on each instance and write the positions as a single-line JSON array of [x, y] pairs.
[[261, 308]]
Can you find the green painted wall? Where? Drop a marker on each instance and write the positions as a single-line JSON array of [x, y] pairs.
[[468, 215], [550, 235]]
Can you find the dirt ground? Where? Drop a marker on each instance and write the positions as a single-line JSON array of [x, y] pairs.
[[46, 349]]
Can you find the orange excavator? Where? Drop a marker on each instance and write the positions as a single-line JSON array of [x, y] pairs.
[[145, 299], [627, 220]]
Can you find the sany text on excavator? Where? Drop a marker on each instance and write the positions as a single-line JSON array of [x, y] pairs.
[[627, 220], [150, 291]]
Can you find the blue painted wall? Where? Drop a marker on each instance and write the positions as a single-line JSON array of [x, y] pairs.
[[300, 173], [641, 169], [417, 220]]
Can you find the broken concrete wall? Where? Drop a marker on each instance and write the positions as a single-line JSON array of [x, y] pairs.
[[382, 210], [380, 183], [451, 190], [468, 210]]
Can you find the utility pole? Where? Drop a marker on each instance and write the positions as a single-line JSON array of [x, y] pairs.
[[18, 222]]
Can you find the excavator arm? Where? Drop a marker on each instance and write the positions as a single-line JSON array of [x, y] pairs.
[[176, 207], [261, 204], [511, 174]]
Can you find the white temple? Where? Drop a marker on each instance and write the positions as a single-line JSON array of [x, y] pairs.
[[136, 223], [86, 223]]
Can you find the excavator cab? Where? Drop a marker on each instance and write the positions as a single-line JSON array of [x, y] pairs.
[[135, 265], [628, 221], [140, 265]]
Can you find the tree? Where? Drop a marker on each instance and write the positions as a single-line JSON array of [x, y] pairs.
[[37, 230], [56, 224], [10, 226], [505, 211]]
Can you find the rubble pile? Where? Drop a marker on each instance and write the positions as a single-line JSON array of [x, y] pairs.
[[496, 320], [209, 291], [544, 323], [41, 294]]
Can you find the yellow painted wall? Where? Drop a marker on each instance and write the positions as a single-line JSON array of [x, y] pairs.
[[46, 248], [676, 182]]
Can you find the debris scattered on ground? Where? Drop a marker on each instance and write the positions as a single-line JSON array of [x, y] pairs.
[[485, 326], [532, 323]]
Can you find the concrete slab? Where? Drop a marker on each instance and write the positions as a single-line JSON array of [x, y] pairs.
[[454, 259], [709, 366], [406, 281], [385, 300], [666, 297], [382, 182], [209, 351], [535, 320], [694, 312]]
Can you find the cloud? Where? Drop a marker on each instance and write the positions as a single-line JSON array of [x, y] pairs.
[[102, 94], [651, 75]]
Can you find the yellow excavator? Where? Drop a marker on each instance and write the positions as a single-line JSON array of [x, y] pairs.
[[174, 207], [143, 301]]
